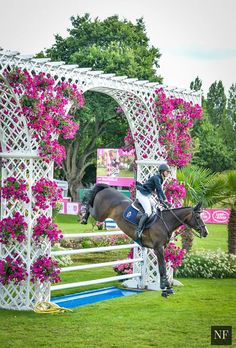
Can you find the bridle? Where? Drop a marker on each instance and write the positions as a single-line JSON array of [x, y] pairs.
[[199, 227]]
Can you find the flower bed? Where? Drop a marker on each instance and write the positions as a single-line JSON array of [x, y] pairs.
[[207, 264]]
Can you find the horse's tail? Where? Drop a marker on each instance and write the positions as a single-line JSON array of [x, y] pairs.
[[97, 188]]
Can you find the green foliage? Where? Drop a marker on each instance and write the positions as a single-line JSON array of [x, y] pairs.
[[200, 184], [196, 85], [210, 264], [112, 45], [216, 103], [231, 107], [212, 151]]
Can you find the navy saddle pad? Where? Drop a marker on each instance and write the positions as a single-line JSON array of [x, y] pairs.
[[130, 215]]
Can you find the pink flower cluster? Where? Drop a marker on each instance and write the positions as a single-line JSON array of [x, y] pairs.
[[126, 268], [15, 189], [175, 192], [174, 254], [46, 193], [46, 228], [45, 269], [45, 106], [12, 270], [13, 229]]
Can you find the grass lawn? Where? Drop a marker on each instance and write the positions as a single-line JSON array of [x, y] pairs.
[[144, 320]]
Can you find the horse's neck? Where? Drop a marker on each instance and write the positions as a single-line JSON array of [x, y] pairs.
[[178, 217]]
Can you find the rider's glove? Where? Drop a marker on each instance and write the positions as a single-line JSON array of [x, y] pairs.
[[166, 204]]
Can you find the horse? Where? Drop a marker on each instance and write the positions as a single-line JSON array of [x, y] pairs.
[[105, 202]]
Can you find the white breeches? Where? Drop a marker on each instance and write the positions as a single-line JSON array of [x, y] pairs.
[[145, 202]]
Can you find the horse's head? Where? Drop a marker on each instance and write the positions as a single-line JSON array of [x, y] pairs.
[[196, 221]]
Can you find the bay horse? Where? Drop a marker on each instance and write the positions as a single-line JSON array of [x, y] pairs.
[[105, 202]]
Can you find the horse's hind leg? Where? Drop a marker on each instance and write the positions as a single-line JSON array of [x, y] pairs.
[[164, 283]]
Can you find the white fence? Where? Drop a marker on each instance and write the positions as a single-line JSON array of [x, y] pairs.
[[137, 261]]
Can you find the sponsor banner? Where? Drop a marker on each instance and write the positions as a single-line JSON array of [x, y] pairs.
[[127, 182], [216, 216], [71, 208], [115, 167]]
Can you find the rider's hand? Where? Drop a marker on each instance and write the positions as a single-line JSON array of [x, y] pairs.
[[166, 204]]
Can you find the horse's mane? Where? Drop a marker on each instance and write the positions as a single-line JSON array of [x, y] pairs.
[[97, 188]]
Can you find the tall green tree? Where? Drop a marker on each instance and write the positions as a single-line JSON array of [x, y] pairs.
[[196, 85], [113, 46], [216, 103], [231, 107]]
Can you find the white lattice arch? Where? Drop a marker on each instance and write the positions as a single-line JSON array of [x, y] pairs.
[[20, 156]]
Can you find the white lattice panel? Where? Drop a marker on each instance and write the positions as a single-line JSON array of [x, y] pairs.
[[19, 153]]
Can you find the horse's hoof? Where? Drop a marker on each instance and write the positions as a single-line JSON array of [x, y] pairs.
[[170, 291], [164, 293]]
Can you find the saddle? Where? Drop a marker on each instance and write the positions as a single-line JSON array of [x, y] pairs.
[[134, 212]]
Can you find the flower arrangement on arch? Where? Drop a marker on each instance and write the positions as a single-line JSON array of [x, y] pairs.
[[175, 192], [174, 120], [45, 105], [12, 269], [15, 189], [45, 269], [13, 228], [46, 228], [46, 193]]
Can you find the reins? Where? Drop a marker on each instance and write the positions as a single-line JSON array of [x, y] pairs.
[[182, 223]]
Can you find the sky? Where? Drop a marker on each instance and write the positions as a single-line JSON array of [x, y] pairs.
[[195, 37]]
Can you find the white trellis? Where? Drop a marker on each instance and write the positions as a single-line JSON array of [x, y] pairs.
[[20, 156]]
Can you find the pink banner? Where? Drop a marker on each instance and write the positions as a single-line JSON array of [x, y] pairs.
[[115, 181], [216, 216], [72, 208]]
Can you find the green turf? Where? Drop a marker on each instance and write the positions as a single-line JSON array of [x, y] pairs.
[[145, 320]]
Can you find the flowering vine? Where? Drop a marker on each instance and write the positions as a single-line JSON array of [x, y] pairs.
[[174, 255], [174, 118], [175, 192], [12, 270], [45, 106], [45, 269], [14, 189], [46, 193], [46, 228], [13, 229]]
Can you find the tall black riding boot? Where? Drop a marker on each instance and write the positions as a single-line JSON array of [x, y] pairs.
[[141, 225]]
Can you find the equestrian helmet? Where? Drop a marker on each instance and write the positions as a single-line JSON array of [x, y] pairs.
[[164, 167]]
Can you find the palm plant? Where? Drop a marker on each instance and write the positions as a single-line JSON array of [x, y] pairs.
[[227, 198], [200, 186]]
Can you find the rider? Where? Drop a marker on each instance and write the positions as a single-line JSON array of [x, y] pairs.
[[144, 191]]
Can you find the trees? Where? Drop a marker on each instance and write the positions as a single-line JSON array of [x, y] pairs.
[[216, 103], [196, 85], [214, 135], [114, 46]]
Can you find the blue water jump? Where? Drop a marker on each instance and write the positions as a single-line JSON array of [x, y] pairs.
[[87, 297]]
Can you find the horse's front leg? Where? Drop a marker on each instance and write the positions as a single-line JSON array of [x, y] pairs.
[[164, 282]]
